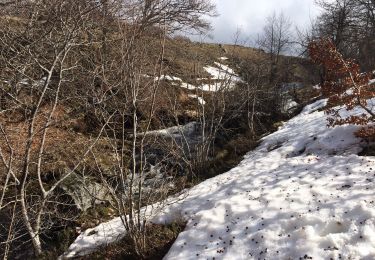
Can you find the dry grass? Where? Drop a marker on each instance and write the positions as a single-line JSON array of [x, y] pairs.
[[63, 146], [159, 240]]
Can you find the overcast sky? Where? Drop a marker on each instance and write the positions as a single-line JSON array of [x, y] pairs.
[[250, 16]]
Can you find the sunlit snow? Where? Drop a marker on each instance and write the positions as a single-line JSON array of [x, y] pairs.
[[303, 193], [221, 77]]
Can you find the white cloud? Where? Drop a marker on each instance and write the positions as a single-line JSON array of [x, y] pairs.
[[250, 16]]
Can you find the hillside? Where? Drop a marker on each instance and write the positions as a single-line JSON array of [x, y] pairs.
[[85, 126], [186, 59], [304, 193], [121, 138]]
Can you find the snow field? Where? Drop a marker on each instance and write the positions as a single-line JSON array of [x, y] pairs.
[[302, 194]]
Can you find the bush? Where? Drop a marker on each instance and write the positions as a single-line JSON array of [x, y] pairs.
[[345, 87]]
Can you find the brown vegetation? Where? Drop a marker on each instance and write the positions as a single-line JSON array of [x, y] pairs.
[[81, 89], [344, 85]]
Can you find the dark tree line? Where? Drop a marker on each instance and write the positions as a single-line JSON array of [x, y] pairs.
[[350, 25]]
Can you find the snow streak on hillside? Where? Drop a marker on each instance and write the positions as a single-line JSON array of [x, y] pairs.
[[304, 193], [221, 76]]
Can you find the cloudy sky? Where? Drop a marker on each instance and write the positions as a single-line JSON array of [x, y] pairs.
[[249, 16]]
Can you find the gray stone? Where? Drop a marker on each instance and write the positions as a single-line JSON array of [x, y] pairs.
[[85, 191]]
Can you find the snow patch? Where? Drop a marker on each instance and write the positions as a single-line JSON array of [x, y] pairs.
[[188, 86], [200, 99], [221, 72], [170, 78], [317, 87], [176, 131], [223, 76]]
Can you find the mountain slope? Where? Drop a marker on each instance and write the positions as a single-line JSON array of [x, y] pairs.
[[304, 193]]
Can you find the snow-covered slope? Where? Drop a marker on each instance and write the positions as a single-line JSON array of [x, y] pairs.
[[304, 193]]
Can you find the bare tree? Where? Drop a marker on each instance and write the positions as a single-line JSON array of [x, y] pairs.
[[89, 55], [350, 25], [177, 14], [338, 22], [275, 39], [132, 79], [37, 67], [128, 129]]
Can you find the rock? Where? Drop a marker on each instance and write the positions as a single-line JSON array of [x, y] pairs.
[[85, 192]]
